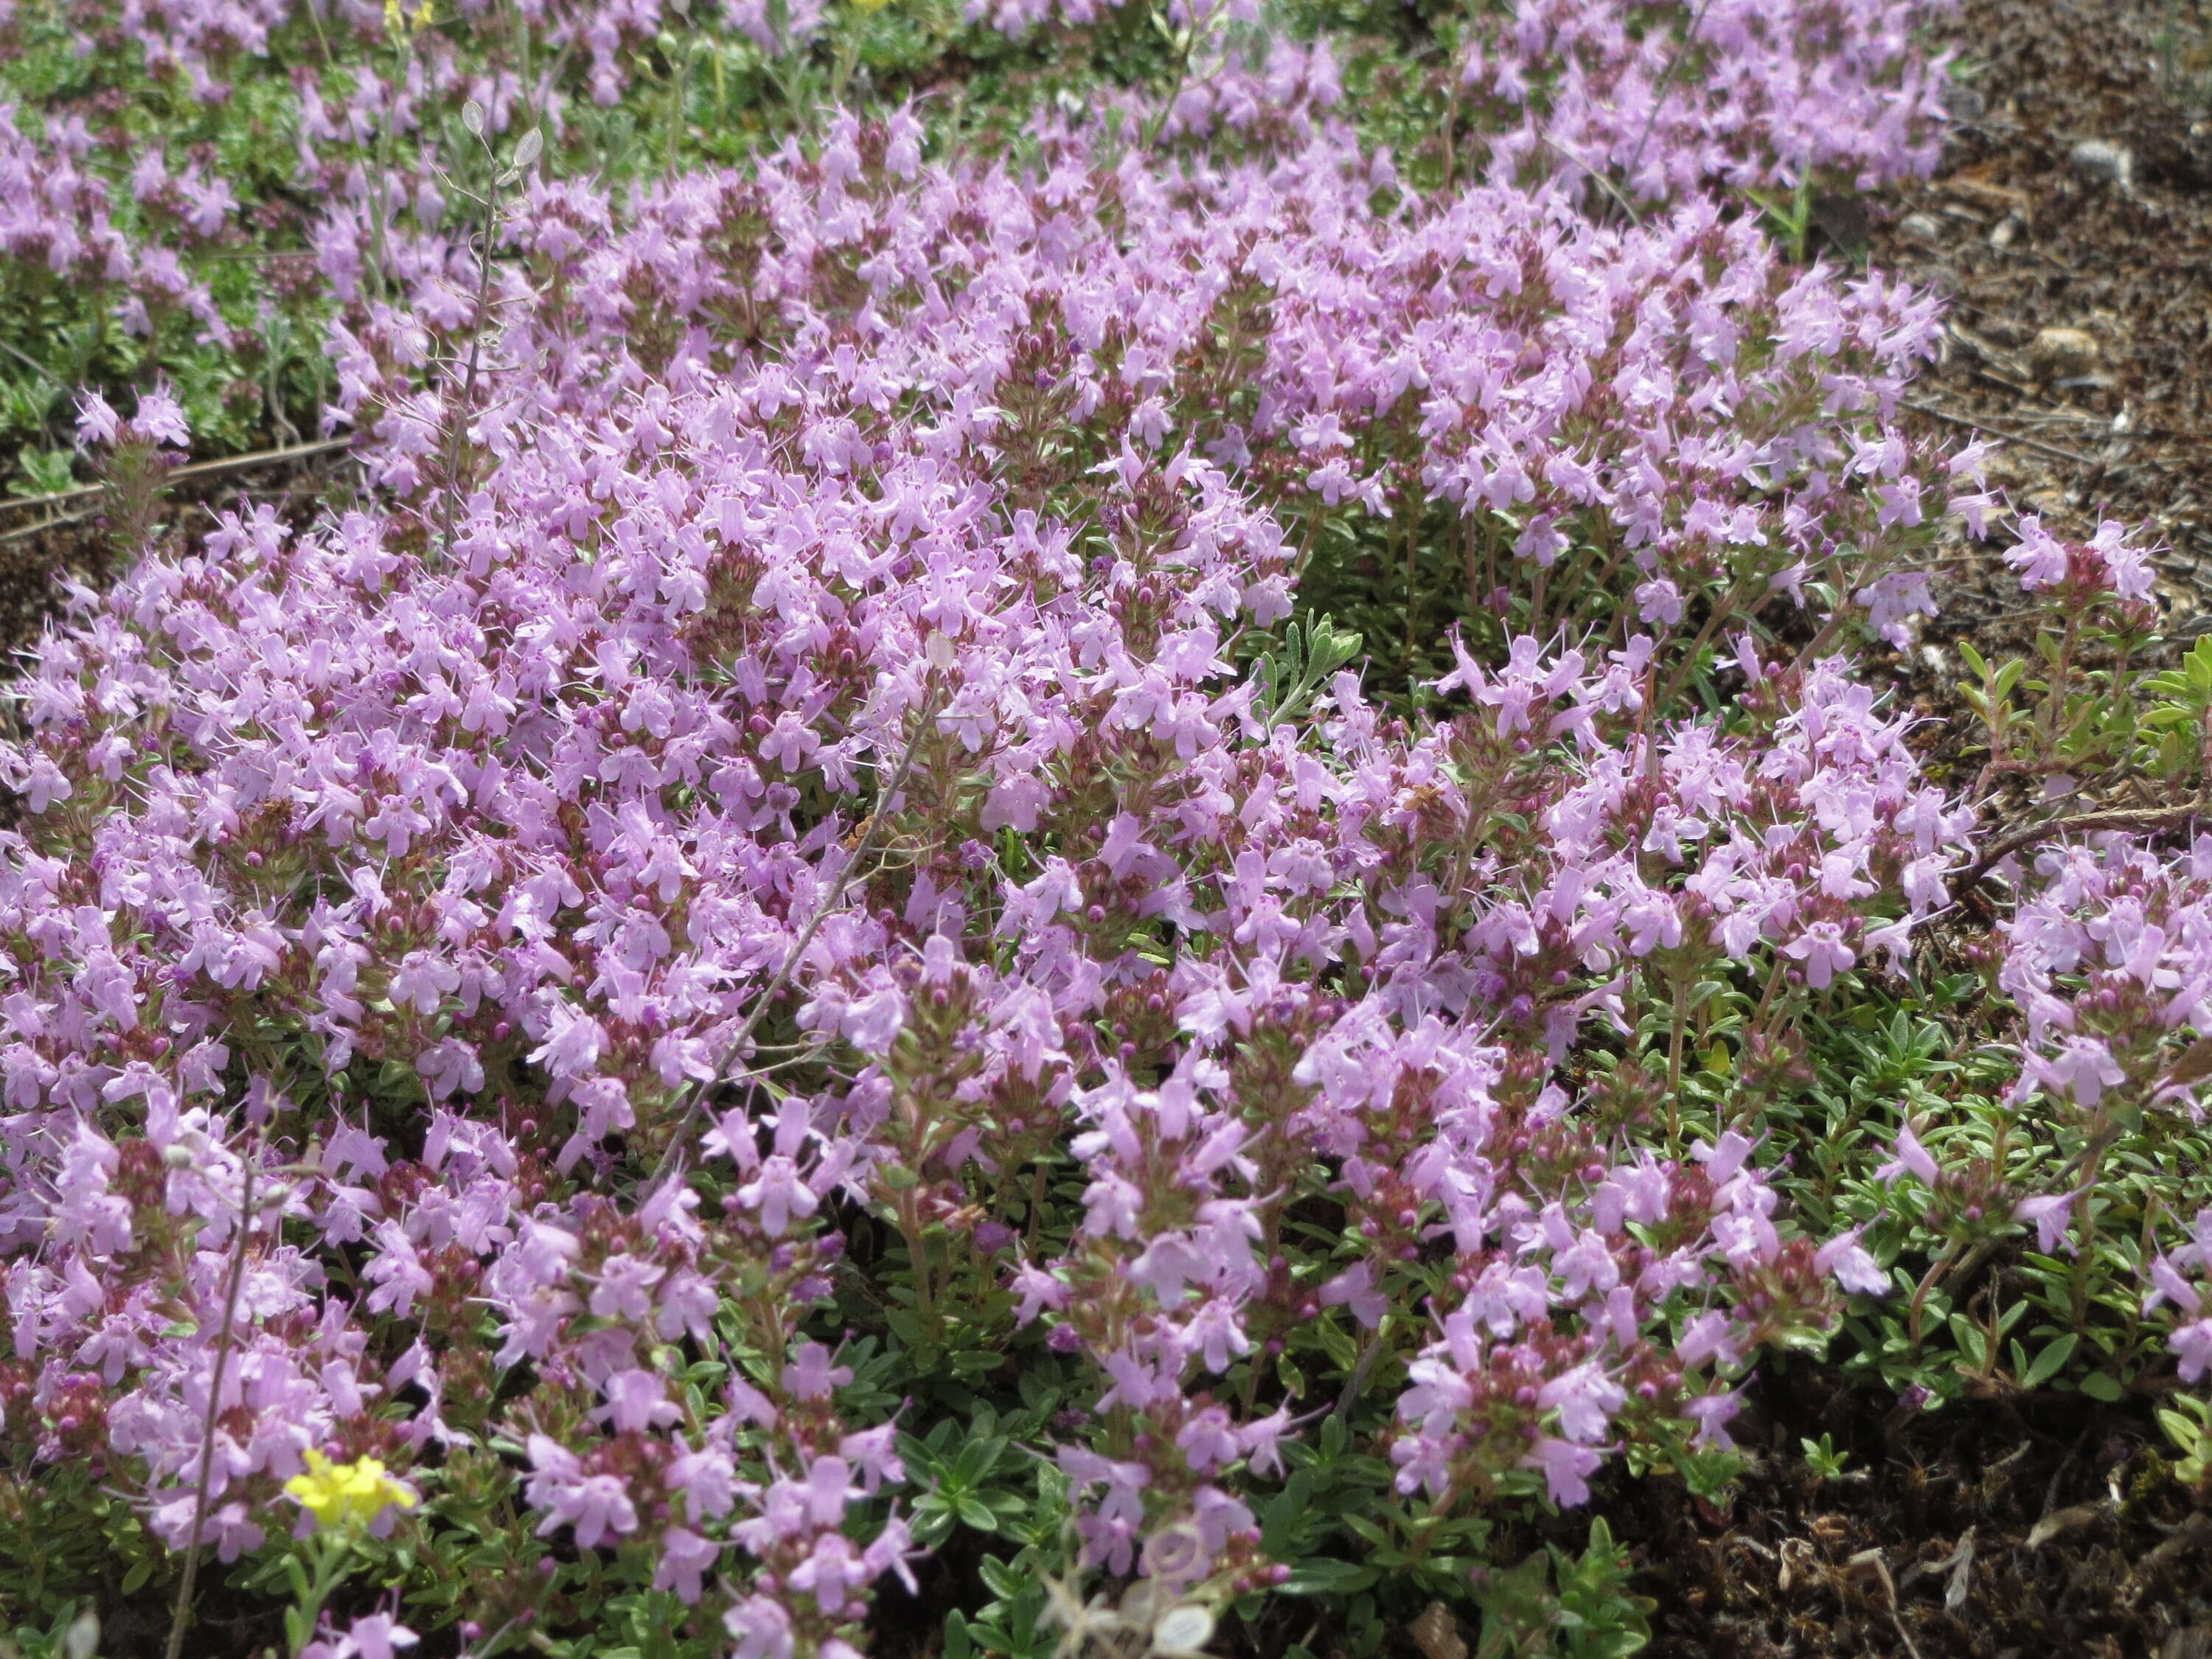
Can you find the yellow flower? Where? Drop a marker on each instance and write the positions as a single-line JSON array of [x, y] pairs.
[[337, 1493], [399, 27]]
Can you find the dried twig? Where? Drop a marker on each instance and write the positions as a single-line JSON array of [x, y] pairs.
[[2026, 442], [2161, 817], [45, 525], [1872, 1561], [197, 470]]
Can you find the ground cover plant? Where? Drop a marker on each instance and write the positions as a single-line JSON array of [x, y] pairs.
[[1086, 834]]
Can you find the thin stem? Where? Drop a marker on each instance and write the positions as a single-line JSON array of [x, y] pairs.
[[1452, 122], [322, 39], [1920, 1295], [1659, 92], [1674, 1068], [1595, 177], [1411, 519], [736, 1048], [176, 1643], [1724, 608], [331, 1566], [1183, 50]]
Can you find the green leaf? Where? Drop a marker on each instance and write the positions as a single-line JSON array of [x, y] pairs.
[[1972, 1341], [1322, 1576], [1000, 1579], [2102, 1385], [2048, 1364]]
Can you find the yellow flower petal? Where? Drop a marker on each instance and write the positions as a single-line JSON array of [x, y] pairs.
[[337, 1494]]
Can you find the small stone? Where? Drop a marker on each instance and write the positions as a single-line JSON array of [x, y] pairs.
[[2114, 163], [2061, 354], [1843, 221], [1963, 103], [1921, 226]]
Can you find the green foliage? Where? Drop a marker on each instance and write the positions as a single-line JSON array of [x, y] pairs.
[[1287, 677], [2188, 1426], [2087, 703], [66, 1540], [73, 1634], [1570, 1607], [1822, 1457], [965, 1474]]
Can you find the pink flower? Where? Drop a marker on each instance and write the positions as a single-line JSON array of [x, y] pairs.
[[2193, 1344], [161, 419], [1912, 1159], [1854, 1267], [2051, 1214], [1566, 1468], [2083, 1068], [761, 1627], [1585, 1398], [1355, 1289], [1821, 948], [686, 1557], [96, 422], [377, 1635]]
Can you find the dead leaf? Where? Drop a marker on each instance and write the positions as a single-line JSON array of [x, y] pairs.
[[1436, 1633], [2073, 1518], [2194, 1065], [1962, 1569]]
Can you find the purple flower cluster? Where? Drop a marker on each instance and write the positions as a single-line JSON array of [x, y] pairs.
[[778, 743], [1675, 94]]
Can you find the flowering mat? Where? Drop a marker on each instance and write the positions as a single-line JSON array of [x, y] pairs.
[[1081, 832]]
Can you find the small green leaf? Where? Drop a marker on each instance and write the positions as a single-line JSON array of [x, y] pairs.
[[1320, 1577], [2185, 1434], [2048, 1364], [2102, 1385]]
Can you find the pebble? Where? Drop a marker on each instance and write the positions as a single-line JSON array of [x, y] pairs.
[[2058, 354], [2115, 163], [1921, 226]]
